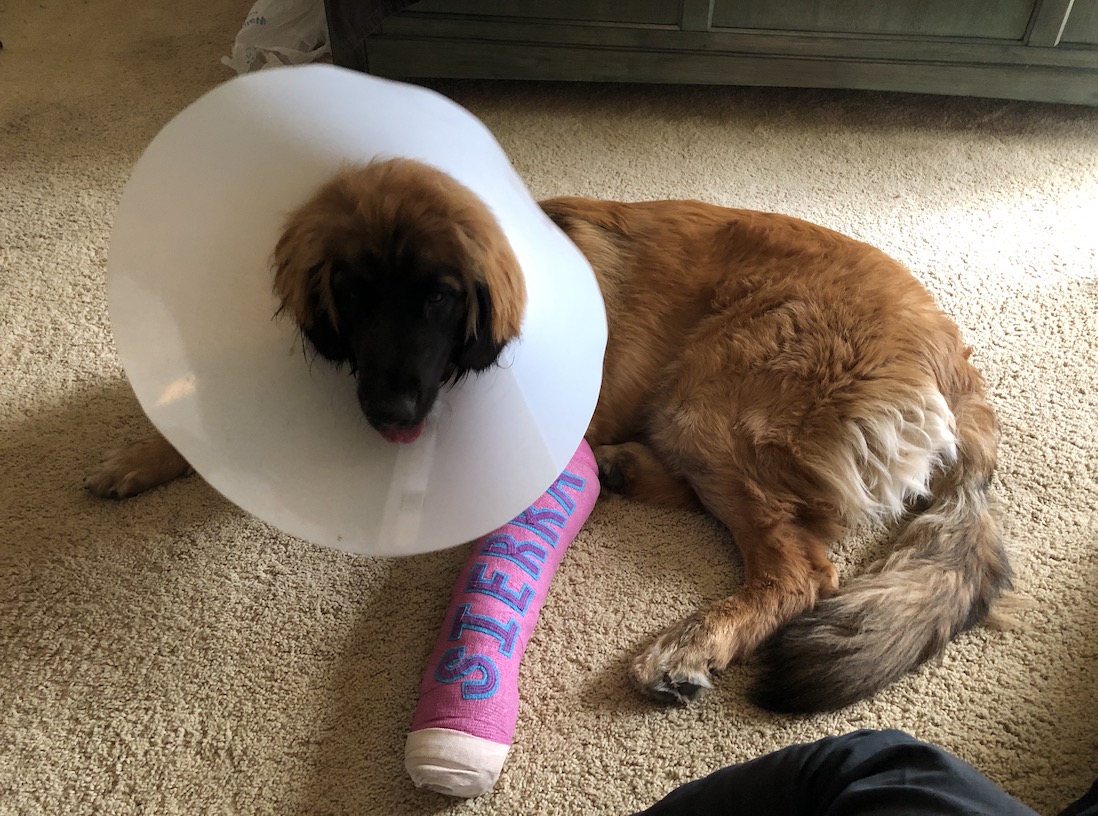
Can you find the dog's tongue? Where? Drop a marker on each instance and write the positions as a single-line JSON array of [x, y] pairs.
[[403, 435]]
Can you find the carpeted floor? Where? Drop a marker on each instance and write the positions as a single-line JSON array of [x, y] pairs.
[[172, 655]]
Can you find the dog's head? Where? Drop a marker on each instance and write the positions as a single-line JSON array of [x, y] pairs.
[[402, 272]]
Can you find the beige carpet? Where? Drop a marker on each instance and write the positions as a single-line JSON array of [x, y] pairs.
[[171, 655]]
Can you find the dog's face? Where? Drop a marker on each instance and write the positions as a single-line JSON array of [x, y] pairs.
[[403, 273]]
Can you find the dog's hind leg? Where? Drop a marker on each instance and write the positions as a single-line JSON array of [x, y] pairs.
[[148, 462], [786, 570], [633, 470]]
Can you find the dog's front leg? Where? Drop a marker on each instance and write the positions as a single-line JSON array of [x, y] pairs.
[[125, 472]]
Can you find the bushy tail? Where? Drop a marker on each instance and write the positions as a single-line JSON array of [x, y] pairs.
[[948, 568]]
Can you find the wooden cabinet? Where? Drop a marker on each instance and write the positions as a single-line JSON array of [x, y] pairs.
[[1017, 49]]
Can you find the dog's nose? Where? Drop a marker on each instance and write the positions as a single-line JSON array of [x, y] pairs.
[[392, 412]]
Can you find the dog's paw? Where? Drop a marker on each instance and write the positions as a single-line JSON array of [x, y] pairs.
[[119, 477], [679, 665], [129, 471], [616, 467]]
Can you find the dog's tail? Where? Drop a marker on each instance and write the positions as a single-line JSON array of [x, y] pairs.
[[948, 569]]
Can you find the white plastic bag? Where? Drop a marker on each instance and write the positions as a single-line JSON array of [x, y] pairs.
[[280, 32]]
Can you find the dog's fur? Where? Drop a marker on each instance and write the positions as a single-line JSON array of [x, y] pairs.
[[790, 380]]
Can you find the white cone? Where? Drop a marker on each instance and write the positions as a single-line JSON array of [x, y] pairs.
[[278, 433]]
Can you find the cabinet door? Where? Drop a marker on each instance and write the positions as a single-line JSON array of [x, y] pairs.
[[981, 19], [1082, 24]]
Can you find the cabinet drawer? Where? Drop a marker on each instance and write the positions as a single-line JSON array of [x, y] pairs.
[[982, 19], [649, 12]]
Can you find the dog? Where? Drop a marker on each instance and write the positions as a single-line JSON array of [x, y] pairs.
[[788, 379]]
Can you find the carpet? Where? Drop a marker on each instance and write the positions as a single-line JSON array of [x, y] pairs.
[[170, 654]]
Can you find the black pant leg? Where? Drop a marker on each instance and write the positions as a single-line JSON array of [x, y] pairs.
[[1085, 806], [863, 773]]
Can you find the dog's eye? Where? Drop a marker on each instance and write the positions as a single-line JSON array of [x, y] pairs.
[[436, 298]]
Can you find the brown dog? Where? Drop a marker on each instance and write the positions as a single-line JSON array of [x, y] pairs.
[[792, 381]]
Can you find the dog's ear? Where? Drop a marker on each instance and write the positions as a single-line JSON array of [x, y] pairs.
[[303, 289], [323, 335], [496, 289], [299, 267], [481, 349], [302, 266], [497, 269]]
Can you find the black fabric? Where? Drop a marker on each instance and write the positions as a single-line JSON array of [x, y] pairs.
[[1087, 805], [864, 773]]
